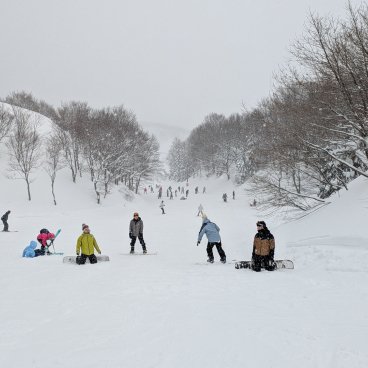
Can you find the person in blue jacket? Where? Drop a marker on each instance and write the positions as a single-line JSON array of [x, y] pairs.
[[29, 251], [212, 232]]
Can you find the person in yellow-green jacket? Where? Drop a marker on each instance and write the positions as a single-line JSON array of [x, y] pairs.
[[86, 244]]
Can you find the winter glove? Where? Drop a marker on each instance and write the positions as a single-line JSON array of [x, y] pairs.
[[272, 253], [77, 254], [198, 242], [130, 235]]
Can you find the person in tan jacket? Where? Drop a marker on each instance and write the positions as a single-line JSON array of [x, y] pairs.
[[263, 248], [86, 244]]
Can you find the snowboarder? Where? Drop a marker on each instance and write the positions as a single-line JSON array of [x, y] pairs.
[[162, 206], [45, 238], [212, 232], [224, 197], [86, 244], [263, 248], [4, 219], [136, 230], [200, 210]]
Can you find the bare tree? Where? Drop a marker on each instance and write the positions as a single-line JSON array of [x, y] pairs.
[[24, 146], [53, 162], [6, 120]]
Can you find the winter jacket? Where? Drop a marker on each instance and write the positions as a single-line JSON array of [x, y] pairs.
[[5, 216], [43, 237], [87, 243], [29, 251], [211, 230], [264, 243], [136, 227]]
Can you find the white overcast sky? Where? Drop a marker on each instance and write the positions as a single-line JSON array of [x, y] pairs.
[[170, 61]]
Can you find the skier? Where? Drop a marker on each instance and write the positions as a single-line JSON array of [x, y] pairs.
[[204, 190], [233, 194], [187, 193], [196, 190], [136, 230], [86, 244], [162, 206], [263, 248], [212, 232], [4, 219], [224, 197], [45, 238], [200, 210]]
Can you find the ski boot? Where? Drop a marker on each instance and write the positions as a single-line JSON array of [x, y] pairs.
[[144, 251], [132, 250], [223, 260], [210, 260]]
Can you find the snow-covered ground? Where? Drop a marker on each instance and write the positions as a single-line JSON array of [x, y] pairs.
[[173, 309]]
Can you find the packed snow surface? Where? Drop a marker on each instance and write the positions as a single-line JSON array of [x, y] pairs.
[[173, 309]]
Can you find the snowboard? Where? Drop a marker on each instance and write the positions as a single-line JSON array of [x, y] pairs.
[[73, 259], [280, 264]]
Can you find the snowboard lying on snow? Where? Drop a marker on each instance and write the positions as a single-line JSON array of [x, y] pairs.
[[73, 259], [281, 263]]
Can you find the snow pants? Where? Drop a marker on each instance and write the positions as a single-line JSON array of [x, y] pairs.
[[83, 258], [6, 225], [262, 261], [219, 249], [141, 240]]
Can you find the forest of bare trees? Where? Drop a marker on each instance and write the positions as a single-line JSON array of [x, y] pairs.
[[309, 138], [106, 144]]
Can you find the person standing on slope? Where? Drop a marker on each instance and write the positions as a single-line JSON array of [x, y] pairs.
[[263, 248], [4, 219], [162, 206], [136, 230], [212, 232], [86, 244]]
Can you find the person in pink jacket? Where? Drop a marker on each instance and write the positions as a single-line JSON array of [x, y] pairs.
[[45, 238]]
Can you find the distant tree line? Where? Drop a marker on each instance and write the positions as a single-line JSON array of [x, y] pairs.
[[309, 138], [107, 143]]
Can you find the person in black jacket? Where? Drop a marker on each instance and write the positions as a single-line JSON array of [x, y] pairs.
[[136, 230], [263, 248], [4, 219]]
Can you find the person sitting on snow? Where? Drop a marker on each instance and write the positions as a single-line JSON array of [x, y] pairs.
[[86, 244], [263, 248], [45, 238], [29, 251]]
